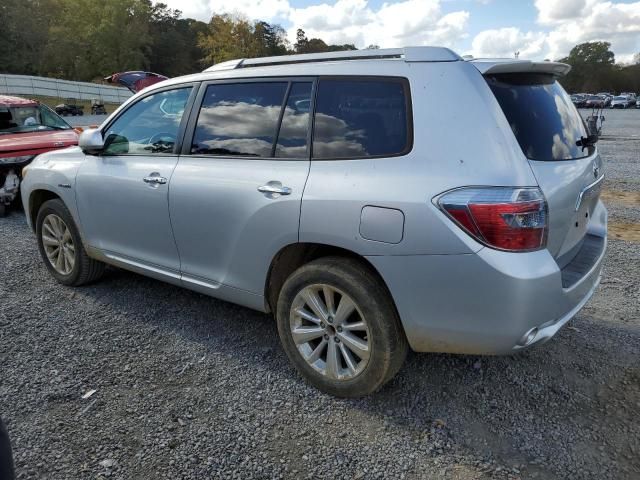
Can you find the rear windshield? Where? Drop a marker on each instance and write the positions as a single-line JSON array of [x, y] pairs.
[[541, 114]]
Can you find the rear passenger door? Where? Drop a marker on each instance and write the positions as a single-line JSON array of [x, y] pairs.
[[235, 194]]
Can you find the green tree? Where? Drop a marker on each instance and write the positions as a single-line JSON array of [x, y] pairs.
[[592, 67], [317, 45], [302, 42], [24, 32], [89, 39], [271, 40], [174, 46]]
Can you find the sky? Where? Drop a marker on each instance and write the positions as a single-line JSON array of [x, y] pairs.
[[538, 29]]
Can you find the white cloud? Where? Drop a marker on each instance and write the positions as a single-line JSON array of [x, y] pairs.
[[562, 24], [393, 24], [409, 22], [254, 9], [504, 42], [552, 11], [570, 22]]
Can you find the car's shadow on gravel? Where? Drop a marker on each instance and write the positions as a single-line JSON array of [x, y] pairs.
[[520, 410]]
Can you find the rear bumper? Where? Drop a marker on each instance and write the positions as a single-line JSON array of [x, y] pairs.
[[489, 302]]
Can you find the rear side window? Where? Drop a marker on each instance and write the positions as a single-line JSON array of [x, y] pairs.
[[359, 118], [239, 119], [294, 128], [541, 114]]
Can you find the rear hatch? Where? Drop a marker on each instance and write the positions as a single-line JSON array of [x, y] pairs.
[[550, 132]]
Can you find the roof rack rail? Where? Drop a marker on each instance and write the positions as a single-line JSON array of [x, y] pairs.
[[409, 54]]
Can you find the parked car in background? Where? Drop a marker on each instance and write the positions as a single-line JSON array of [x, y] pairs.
[[578, 100], [306, 186], [594, 101], [97, 107], [606, 97], [620, 101], [136, 80], [69, 109], [27, 128]]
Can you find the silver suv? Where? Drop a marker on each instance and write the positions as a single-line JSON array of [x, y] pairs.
[[347, 195]]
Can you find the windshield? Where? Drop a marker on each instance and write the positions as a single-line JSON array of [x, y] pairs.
[[541, 115], [30, 118], [619, 98]]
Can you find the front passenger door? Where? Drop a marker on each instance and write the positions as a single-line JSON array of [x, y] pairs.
[[122, 194]]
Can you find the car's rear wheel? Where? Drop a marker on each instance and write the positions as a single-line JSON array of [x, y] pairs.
[[340, 328], [61, 247]]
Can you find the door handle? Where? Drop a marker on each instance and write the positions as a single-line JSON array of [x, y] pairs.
[[275, 188], [155, 179]]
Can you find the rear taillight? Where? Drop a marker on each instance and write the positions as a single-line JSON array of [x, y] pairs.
[[513, 219]]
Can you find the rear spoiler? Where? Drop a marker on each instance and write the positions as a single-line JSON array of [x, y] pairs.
[[508, 65]]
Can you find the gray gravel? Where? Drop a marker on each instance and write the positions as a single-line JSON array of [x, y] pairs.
[[190, 387]]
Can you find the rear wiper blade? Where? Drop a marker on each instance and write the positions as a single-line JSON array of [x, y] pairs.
[[588, 141]]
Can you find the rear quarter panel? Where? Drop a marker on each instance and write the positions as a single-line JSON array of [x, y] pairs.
[[460, 138]]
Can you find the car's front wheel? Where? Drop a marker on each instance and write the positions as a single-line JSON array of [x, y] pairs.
[[61, 247], [339, 327]]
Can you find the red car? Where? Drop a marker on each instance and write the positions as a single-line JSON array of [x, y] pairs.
[[136, 80], [27, 128]]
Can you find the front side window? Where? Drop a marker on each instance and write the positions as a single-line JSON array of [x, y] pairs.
[[150, 126], [359, 118], [239, 119], [541, 115]]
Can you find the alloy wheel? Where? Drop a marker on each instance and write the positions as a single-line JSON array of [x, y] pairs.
[[58, 244], [330, 331]]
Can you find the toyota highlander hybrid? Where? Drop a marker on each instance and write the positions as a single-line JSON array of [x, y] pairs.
[[347, 195]]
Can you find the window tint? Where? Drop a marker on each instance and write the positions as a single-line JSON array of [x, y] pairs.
[[148, 127], [361, 118], [541, 114], [292, 138], [239, 119]]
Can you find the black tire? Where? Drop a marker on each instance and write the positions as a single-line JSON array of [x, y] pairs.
[[3, 210], [85, 269], [6, 457], [388, 343]]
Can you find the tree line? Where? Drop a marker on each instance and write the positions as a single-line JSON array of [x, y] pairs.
[[89, 39], [593, 70]]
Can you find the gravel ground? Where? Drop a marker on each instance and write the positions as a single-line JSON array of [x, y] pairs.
[[190, 387]]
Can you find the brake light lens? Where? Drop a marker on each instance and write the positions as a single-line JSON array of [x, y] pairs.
[[511, 219]]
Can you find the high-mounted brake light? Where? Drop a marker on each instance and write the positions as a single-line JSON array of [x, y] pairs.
[[512, 219]]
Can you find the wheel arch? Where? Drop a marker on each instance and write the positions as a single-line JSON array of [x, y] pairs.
[[36, 199], [295, 255]]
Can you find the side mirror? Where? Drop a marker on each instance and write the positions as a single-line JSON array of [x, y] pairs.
[[91, 141]]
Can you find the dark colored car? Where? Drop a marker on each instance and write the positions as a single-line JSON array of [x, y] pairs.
[[578, 100], [594, 101], [27, 128], [136, 80], [66, 109], [97, 108]]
